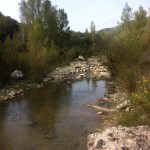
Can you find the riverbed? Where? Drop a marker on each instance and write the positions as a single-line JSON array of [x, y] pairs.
[[51, 118]]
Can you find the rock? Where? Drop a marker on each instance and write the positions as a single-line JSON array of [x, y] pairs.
[[90, 68], [120, 138], [46, 79], [82, 75], [81, 58], [5, 98], [127, 109], [12, 94], [39, 86], [99, 113], [78, 77], [123, 105], [17, 75], [20, 91]]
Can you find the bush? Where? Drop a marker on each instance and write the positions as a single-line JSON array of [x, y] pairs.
[[140, 104]]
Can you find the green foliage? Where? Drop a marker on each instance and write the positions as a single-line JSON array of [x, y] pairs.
[[146, 36], [37, 54], [11, 59], [129, 61], [72, 54], [53, 55], [126, 49], [140, 103], [49, 14], [140, 18]]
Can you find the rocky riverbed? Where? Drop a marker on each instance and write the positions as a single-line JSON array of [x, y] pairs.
[[92, 68]]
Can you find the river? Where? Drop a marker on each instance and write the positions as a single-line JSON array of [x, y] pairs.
[[51, 118]]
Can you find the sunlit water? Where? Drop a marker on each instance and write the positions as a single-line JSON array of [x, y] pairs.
[[51, 118]]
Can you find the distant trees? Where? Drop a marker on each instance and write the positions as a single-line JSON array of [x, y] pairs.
[[8, 27]]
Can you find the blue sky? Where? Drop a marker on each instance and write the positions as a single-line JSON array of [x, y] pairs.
[[104, 13]]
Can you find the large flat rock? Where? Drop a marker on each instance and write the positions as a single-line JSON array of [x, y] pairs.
[[121, 138]]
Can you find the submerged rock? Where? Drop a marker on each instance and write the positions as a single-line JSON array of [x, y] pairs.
[[121, 138]]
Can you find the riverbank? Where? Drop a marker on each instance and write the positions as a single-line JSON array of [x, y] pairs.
[[93, 68], [112, 136]]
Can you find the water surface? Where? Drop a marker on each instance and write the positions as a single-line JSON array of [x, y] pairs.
[[51, 118]]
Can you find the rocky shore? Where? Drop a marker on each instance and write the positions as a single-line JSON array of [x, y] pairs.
[[121, 138], [92, 68], [110, 137]]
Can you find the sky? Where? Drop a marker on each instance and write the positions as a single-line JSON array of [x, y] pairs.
[[104, 13]]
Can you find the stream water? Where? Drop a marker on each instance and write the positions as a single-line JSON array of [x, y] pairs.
[[51, 118]]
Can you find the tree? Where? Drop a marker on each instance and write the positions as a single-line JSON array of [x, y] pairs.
[[140, 18], [30, 10], [93, 31], [126, 17], [93, 36], [49, 14], [62, 21], [146, 36], [54, 22], [37, 46], [8, 27], [92, 27], [62, 28]]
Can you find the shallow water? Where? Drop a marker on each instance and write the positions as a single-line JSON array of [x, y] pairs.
[[51, 118]]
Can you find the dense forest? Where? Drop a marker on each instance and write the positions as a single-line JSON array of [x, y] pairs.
[[41, 40], [44, 40]]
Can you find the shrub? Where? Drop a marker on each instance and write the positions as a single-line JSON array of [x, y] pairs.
[[140, 104]]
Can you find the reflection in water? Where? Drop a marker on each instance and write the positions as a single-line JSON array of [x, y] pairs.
[[52, 118]]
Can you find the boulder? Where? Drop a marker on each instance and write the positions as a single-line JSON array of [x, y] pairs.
[[17, 75], [121, 138], [81, 58]]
